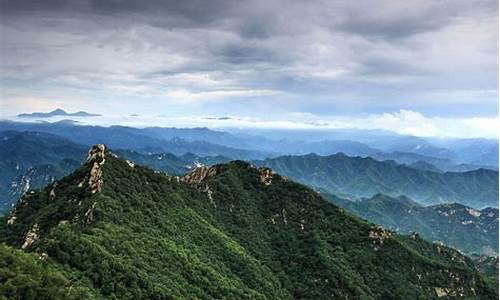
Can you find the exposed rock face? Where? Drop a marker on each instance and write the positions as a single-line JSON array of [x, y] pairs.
[[379, 235], [199, 174], [266, 175], [52, 193], [31, 237], [11, 219], [96, 153], [96, 157]]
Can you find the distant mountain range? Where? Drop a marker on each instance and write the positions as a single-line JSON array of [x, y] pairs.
[[360, 177], [115, 230], [469, 230], [445, 155], [121, 137], [57, 113], [356, 177]]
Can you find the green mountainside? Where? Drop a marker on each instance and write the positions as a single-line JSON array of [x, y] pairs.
[[469, 230], [365, 177], [116, 230]]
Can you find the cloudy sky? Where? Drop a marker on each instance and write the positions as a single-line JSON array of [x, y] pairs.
[[408, 66]]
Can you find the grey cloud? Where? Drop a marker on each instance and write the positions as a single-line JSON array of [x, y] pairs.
[[315, 50]]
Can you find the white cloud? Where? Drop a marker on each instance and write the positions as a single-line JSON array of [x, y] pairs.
[[189, 96], [405, 122]]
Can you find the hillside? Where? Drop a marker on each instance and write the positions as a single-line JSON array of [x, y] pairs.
[[365, 177], [229, 231], [33, 160], [458, 226]]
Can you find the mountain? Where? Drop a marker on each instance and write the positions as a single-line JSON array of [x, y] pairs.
[[442, 164], [469, 230], [231, 231], [32, 160], [477, 151], [57, 113], [365, 177]]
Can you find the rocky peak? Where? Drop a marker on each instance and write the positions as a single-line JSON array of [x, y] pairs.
[[97, 158], [97, 153], [266, 175], [199, 174]]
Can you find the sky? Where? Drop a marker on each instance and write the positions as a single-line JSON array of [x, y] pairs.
[[426, 68]]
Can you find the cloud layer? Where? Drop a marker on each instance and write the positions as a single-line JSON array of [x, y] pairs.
[[254, 58]]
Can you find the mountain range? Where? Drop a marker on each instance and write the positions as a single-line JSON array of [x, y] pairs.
[[429, 163], [469, 230], [115, 230], [445, 154], [26, 156], [360, 177], [57, 113]]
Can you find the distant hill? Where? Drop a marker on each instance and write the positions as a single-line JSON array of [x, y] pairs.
[[365, 177], [57, 113], [469, 230], [232, 231]]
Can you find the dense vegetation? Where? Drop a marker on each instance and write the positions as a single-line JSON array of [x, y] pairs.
[[458, 226], [366, 177], [28, 276], [230, 231]]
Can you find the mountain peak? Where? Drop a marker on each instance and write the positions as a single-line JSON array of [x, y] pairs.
[[96, 153], [58, 111], [96, 157]]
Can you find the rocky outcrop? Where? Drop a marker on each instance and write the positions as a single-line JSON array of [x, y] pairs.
[[266, 175], [379, 235], [31, 236], [97, 157], [199, 174], [97, 153]]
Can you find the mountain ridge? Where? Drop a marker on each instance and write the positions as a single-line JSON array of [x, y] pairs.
[[363, 177]]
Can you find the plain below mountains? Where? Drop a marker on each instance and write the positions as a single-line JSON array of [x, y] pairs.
[[360, 177], [114, 230]]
